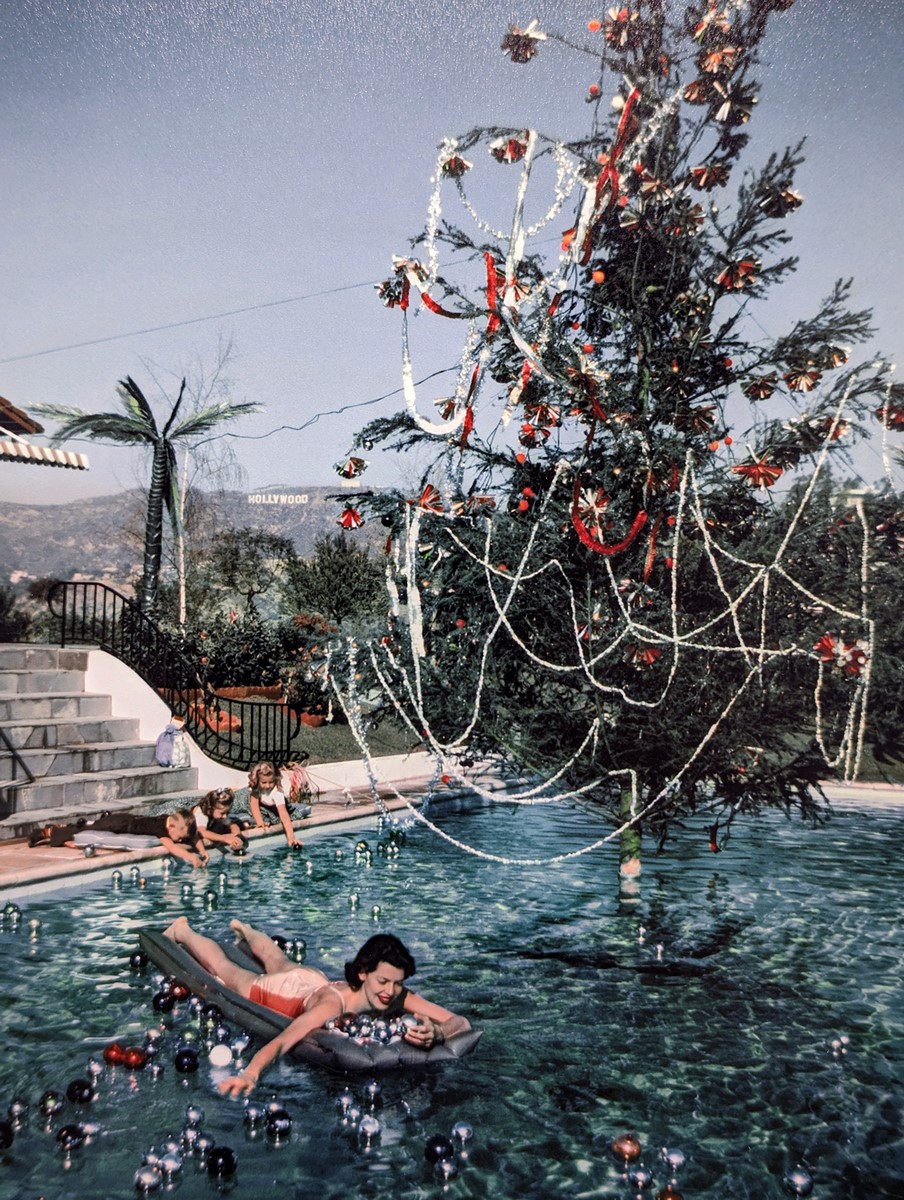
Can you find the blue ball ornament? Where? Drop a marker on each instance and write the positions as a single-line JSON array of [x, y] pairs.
[[186, 1060], [163, 1002], [462, 1132], [278, 1124], [138, 960], [69, 1137], [221, 1162], [80, 1091], [254, 1113], [799, 1181], [438, 1147], [211, 1014]]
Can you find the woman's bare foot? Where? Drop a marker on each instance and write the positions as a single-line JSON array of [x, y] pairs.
[[178, 926], [241, 930]]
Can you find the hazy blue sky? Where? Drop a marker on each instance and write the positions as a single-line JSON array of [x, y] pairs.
[[165, 161]]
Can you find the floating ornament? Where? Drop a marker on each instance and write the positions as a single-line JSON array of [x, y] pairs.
[[187, 891], [240, 1044], [211, 899], [116, 878], [80, 1091], [156, 1070], [163, 1002], [278, 1124], [221, 1162], [194, 1114], [189, 1136], [51, 1103], [641, 1177], [352, 1115], [373, 1090], [148, 1178], [203, 1145], [445, 1169], [7, 1134], [135, 1058], [299, 950], [462, 1133], [222, 1033], [254, 1113], [180, 990], [18, 1110], [674, 1159], [375, 912], [134, 872], [11, 910], [69, 1137], [345, 1100], [626, 1147], [438, 1147], [113, 1054], [220, 1055], [138, 960], [799, 1181], [170, 1164], [186, 1060], [34, 926], [169, 1145], [354, 900], [669, 1192], [212, 1013], [369, 1130]]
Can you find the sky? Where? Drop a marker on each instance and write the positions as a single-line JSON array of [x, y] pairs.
[[178, 174]]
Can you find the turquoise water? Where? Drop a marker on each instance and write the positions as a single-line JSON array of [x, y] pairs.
[[747, 1008]]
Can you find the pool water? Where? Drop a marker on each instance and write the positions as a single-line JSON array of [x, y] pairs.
[[747, 1008]]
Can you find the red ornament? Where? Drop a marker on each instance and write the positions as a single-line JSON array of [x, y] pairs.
[[626, 1146], [350, 518], [759, 473], [738, 275], [455, 166], [521, 44], [891, 416], [114, 1054], [351, 468], [641, 656], [802, 379], [180, 990], [430, 500], [135, 1058]]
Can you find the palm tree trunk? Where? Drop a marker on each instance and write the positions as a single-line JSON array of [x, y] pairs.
[[153, 530]]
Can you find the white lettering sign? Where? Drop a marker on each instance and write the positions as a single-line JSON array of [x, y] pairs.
[[277, 498]]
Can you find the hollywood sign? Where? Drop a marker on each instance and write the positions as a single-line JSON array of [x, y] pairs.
[[277, 498]]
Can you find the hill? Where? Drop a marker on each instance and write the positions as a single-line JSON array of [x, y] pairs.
[[101, 538]]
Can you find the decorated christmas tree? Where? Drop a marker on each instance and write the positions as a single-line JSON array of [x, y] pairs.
[[595, 579]]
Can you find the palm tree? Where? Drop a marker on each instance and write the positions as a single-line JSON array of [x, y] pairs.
[[137, 426]]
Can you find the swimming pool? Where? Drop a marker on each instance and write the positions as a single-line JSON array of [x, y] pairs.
[[746, 1008]]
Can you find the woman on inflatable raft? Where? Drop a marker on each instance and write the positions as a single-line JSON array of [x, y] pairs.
[[374, 983]]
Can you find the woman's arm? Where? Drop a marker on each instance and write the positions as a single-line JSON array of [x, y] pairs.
[[324, 1009], [436, 1023]]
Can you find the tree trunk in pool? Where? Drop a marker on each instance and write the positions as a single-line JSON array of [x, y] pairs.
[[629, 841]]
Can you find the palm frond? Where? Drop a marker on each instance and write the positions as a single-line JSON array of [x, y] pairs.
[[135, 402], [207, 418], [111, 427]]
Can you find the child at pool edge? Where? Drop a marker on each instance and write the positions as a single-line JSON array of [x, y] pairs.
[[212, 817], [177, 832], [373, 983], [264, 793]]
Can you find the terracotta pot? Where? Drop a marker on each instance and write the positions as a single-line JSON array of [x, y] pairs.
[[312, 720]]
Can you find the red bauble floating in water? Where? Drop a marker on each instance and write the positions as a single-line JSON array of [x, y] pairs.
[[180, 990], [669, 1193], [114, 1054], [135, 1058], [627, 1147]]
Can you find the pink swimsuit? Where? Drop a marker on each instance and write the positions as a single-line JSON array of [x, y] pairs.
[[288, 992]]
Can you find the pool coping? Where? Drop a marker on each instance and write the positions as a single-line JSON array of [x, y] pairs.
[[22, 867]]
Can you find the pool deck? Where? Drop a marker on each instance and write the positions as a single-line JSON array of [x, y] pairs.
[[24, 868]]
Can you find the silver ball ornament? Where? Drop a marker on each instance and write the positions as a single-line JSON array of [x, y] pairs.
[[148, 1178], [799, 1181]]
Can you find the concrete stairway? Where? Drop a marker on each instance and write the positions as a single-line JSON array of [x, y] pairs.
[[84, 760]]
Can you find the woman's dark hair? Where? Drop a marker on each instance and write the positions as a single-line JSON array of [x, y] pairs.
[[382, 947]]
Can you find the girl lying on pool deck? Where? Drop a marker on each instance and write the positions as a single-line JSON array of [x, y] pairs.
[[374, 982]]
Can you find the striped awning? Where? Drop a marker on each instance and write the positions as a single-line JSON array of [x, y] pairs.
[[19, 450]]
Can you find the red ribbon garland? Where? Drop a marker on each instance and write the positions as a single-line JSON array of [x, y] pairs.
[[609, 176], [590, 541]]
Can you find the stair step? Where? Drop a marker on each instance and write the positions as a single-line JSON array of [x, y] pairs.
[[22, 705], [102, 789], [88, 759], [70, 731], [20, 824], [23, 656], [42, 681]]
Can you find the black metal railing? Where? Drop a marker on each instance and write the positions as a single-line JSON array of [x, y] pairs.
[[9, 754], [235, 732]]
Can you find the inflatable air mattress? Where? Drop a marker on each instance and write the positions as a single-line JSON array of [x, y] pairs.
[[323, 1047]]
